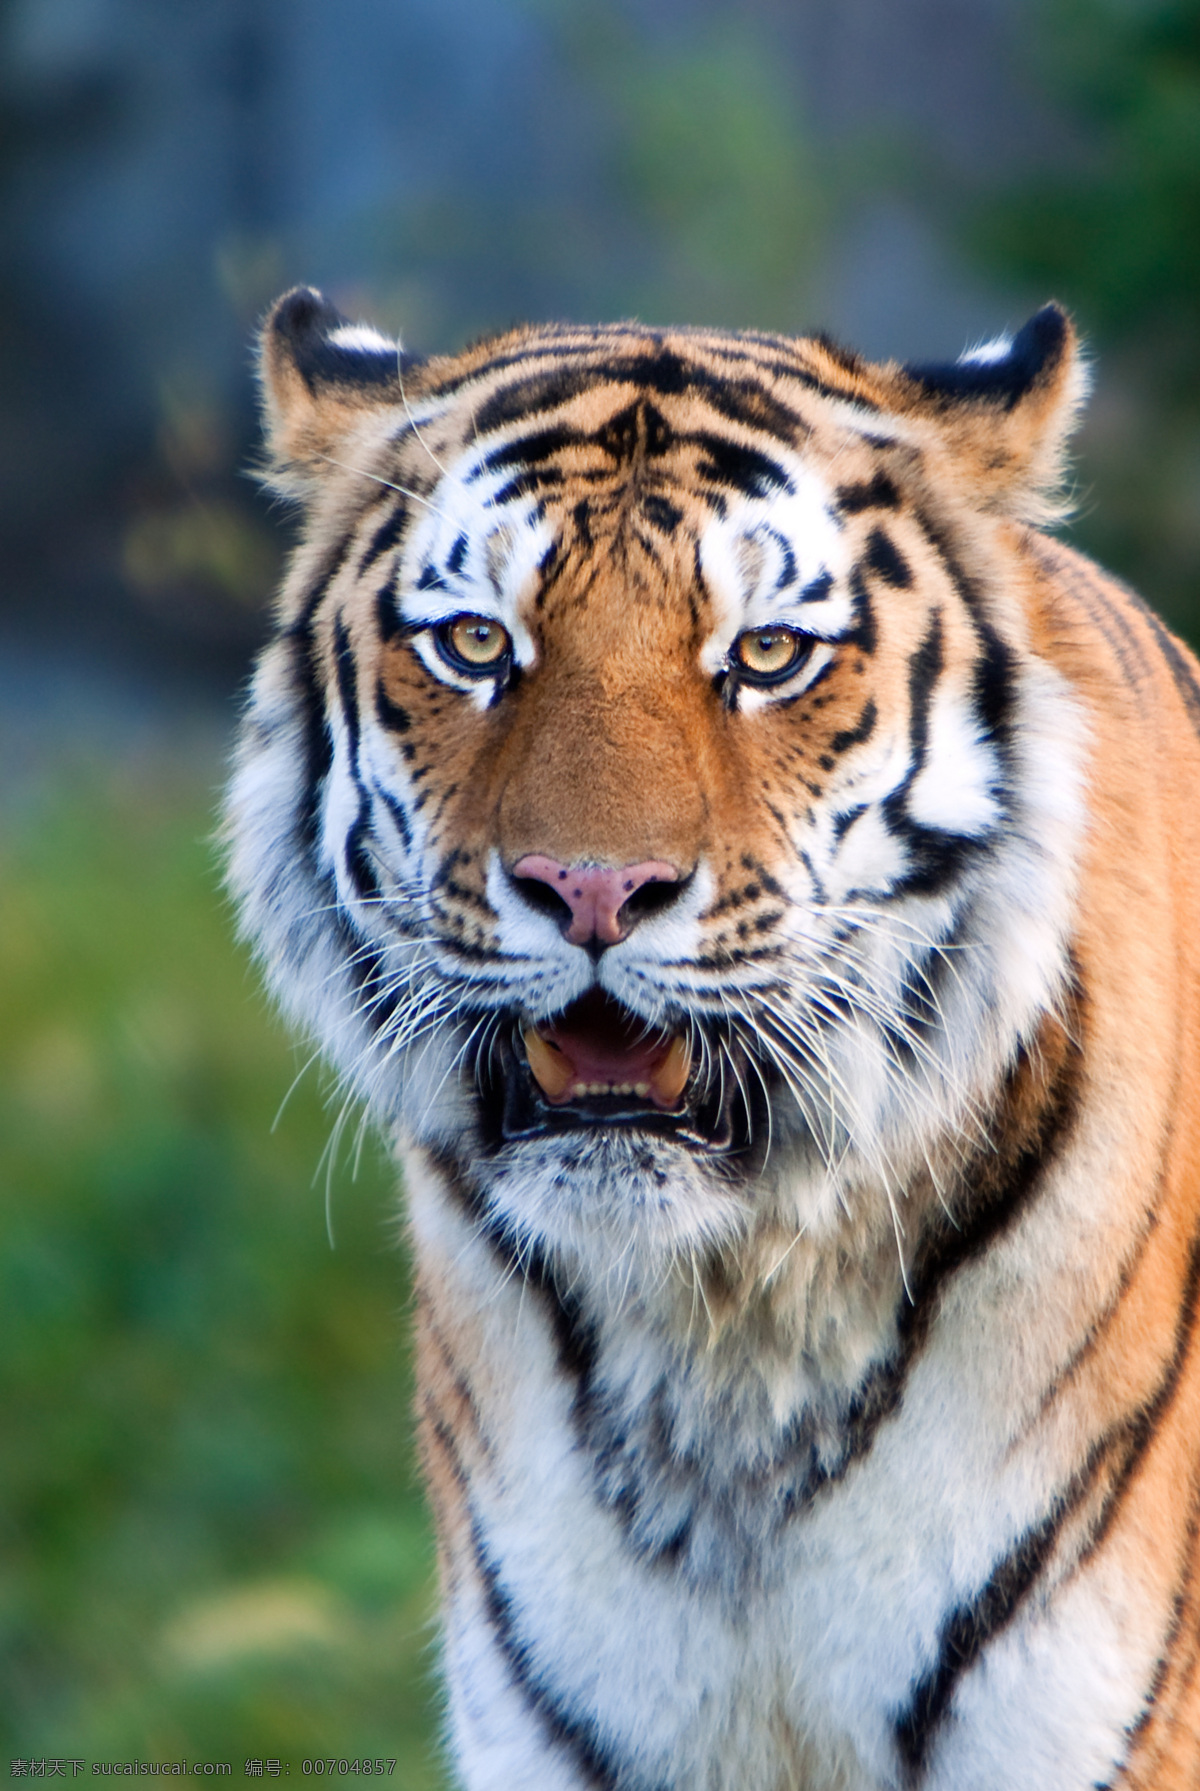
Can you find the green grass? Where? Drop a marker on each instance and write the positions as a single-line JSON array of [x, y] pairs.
[[212, 1542]]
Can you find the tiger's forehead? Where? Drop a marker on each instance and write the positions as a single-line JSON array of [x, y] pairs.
[[742, 519]]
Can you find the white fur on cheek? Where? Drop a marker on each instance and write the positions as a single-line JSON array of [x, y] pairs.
[[953, 789]]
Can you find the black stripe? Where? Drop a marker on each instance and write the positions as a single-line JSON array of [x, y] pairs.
[[934, 854], [965, 586], [1138, 1431], [528, 485], [625, 433], [745, 401], [993, 690], [575, 1342], [532, 450], [359, 862], [574, 1334], [1129, 1265], [994, 1192], [994, 680], [346, 673], [662, 513], [886, 561], [877, 494], [862, 730], [971, 1627], [818, 588], [430, 579], [399, 815], [387, 617], [577, 1735], [460, 1384], [390, 714], [863, 635], [365, 967], [317, 751], [1182, 665], [937, 855], [1171, 1638], [731, 463], [385, 536]]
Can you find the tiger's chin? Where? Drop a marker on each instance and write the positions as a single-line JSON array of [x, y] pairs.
[[636, 1160]]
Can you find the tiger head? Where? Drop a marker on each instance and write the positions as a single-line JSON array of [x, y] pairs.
[[653, 797]]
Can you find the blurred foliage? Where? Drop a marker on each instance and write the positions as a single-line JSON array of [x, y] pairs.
[[1114, 229], [712, 157], [693, 196], [212, 544], [212, 1542]]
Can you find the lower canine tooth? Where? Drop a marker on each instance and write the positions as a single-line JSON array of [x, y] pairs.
[[669, 1079], [551, 1071]]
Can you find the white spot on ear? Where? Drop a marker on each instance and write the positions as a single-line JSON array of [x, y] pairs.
[[987, 353], [362, 338]]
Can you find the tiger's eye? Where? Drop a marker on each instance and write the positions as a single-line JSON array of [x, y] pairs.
[[767, 652], [477, 641]]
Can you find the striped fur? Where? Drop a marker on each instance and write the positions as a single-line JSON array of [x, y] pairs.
[[839, 1430]]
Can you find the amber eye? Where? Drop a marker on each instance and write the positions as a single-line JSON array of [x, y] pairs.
[[767, 655], [474, 643]]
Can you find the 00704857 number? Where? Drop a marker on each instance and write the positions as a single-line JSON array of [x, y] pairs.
[[320, 1767]]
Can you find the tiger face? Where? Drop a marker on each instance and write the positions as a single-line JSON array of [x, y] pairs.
[[646, 796]]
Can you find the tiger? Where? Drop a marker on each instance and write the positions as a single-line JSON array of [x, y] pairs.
[[748, 867]]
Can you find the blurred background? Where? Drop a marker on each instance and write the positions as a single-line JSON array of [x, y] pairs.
[[211, 1539]]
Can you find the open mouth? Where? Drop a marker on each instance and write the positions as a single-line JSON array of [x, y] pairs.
[[596, 1065], [598, 1048]]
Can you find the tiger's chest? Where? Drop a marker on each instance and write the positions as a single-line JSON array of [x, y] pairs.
[[713, 1579]]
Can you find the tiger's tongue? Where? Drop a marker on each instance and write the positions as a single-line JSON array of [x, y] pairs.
[[596, 1047]]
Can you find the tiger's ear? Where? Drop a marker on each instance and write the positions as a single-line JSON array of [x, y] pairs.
[[320, 375], [1005, 412]]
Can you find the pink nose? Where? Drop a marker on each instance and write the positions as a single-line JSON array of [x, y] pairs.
[[594, 894]]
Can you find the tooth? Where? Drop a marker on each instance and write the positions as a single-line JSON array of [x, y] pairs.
[[551, 1070], [669, 1078], [641, 1089]]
